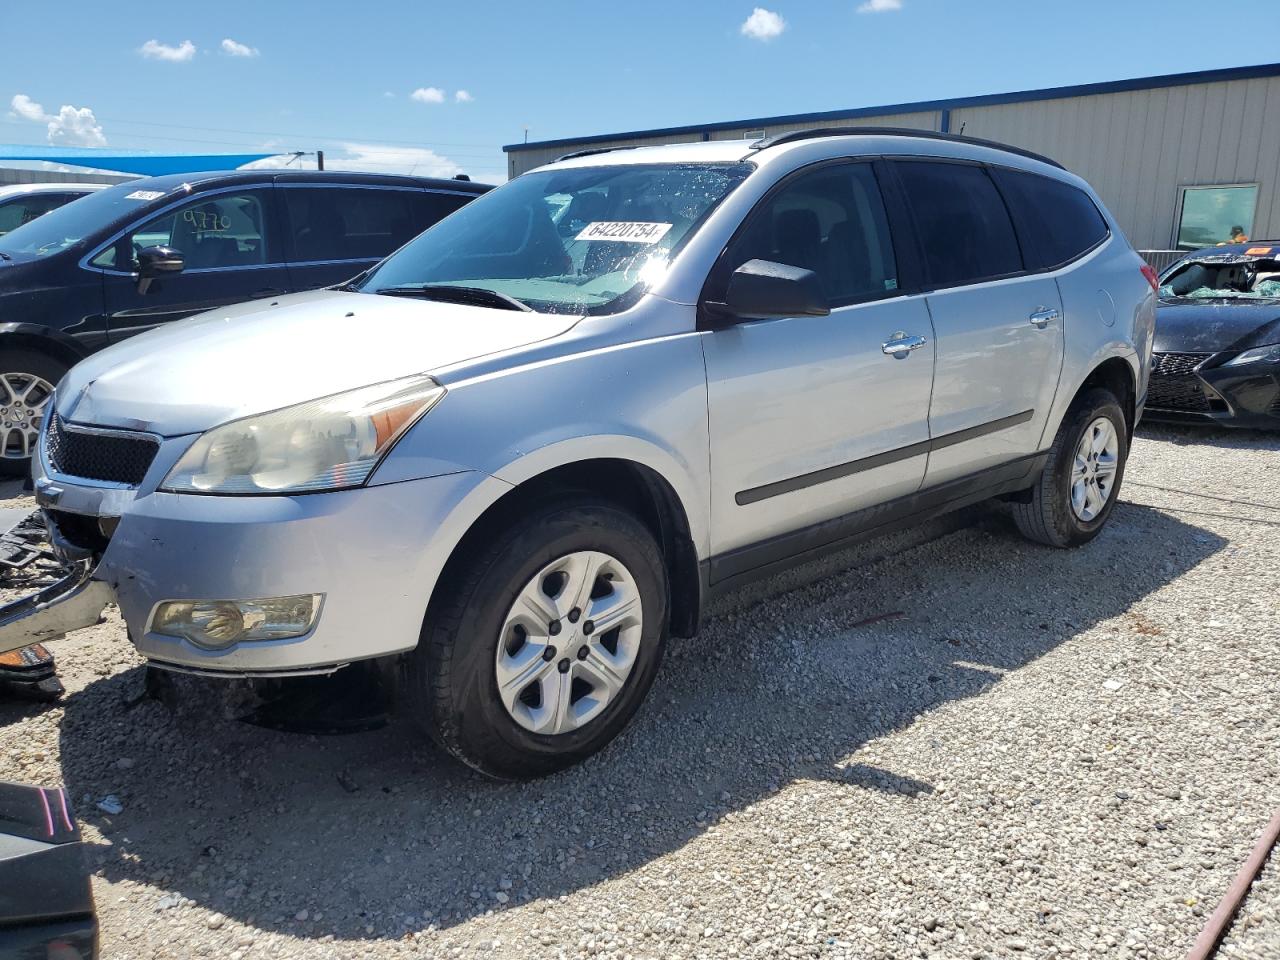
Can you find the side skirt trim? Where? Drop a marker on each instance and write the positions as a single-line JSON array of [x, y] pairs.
[[727, 571], [792, 484]]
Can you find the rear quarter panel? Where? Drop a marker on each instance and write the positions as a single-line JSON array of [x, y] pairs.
[[1109, 311]]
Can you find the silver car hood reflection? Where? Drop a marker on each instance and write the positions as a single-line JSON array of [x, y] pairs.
[[234, 362]]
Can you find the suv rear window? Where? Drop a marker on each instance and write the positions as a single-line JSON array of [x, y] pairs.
[[965, 231], [1058, 221]]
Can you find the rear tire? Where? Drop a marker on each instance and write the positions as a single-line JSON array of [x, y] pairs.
[[1070, 503], [27, 379], [533, 726]]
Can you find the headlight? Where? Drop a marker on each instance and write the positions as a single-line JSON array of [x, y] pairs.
[[328, 444], [1270, 354]]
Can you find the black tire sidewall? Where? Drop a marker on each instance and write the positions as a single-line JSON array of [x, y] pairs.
[[41, 365], [1095, 404], [484, 733]]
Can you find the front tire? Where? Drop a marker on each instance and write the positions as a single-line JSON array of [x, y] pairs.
[[27, 379], [1074, 497], [542, 641]]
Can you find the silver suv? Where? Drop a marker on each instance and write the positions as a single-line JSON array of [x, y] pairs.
[[516, 455]]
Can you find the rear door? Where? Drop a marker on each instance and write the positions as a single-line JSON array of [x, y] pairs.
[[998, 323], [229, 242], [333, 232]]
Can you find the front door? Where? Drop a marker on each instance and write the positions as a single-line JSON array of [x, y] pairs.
[[230, 249], [810, 419]]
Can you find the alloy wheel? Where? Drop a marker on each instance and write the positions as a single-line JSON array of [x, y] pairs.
[[1093, 472], [22, 401], [569, 642]]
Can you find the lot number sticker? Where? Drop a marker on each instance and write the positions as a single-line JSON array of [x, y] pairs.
[[624, 231], [145, 195]]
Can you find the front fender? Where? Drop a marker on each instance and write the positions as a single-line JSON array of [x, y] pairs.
[[643, 402]]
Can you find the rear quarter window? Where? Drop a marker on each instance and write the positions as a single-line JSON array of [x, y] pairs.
[[1058, 222]]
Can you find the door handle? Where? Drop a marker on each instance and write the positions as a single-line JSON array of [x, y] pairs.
[[1043, 317], [899, 345]]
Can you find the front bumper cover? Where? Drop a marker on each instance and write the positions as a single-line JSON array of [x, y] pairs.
[[375, 553], [1247, 395]]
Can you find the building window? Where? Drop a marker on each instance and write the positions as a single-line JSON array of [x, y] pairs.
[[1212, 215]]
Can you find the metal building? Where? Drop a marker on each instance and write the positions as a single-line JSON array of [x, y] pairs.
[[1180, 160]]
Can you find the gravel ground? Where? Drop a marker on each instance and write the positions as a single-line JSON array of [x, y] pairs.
[[1038, 754]]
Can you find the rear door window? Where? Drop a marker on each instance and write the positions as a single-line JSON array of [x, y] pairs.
[[963, 226], [349, 223], [1057, 222]]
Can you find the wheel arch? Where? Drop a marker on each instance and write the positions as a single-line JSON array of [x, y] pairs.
[[632, 485], [1117, 375], [42, 339]]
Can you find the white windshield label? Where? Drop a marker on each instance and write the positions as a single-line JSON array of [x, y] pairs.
[[624, 231], [145, 195]]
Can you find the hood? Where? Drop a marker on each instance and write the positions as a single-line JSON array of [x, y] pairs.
[[189, 376], [1212, 326]]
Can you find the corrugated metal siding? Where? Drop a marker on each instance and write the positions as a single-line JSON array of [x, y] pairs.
[[10, 176], [1138, 148]]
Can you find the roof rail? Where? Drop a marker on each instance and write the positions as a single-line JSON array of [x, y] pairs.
[[794, 135], [588, 153]]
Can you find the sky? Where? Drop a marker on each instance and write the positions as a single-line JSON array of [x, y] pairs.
[[437, 88]]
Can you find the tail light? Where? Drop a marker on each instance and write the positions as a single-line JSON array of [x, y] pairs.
[[1149, 272]]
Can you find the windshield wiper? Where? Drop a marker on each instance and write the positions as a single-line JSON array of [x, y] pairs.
[[478, 296]]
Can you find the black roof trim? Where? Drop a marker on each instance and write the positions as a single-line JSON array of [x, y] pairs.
[[797, 135], [588, 153]]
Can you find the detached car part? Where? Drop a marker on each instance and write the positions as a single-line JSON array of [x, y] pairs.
[[46, 903]]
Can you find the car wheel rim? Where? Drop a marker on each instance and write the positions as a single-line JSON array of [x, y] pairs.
[[569, 642], [1093, 473], [22, 401]]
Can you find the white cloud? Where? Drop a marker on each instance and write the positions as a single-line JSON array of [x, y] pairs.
[[880, 6], [463, 96], [763, 25], [388, 94], [26, 108], [70, 127], [234, 48], [155, 50], [428, 95]]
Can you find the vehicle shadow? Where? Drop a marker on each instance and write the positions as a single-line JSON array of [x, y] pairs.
[[375, 835]]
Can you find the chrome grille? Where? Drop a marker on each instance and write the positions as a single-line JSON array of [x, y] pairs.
[[113, 457], [1174, 384]]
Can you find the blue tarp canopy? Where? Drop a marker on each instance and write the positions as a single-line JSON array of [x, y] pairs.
[[124, 161]]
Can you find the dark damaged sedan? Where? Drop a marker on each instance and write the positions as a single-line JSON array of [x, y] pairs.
[[1217, 344]]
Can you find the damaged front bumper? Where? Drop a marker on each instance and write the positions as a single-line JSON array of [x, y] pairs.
[[75, 601], [373, 554]]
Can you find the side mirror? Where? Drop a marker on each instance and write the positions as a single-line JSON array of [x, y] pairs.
[[156, 262], [762, 289]]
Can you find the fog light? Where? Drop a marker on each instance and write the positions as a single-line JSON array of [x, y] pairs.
[[220, 623]]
